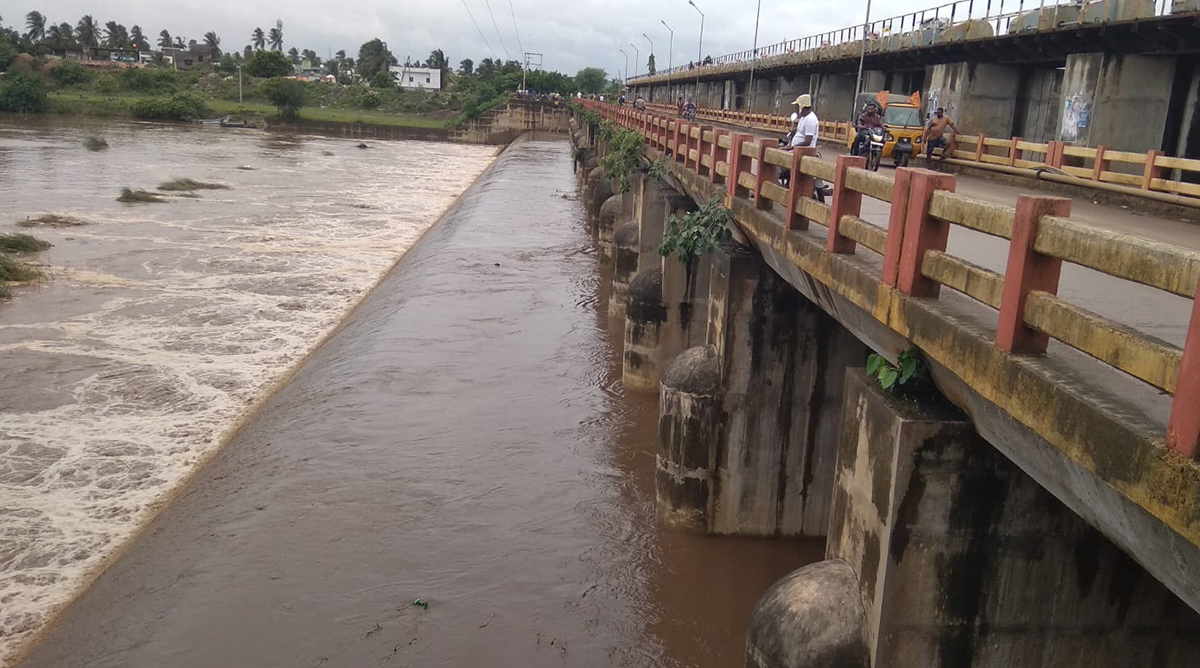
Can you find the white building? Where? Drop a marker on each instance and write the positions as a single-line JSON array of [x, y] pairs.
[[416, 77]]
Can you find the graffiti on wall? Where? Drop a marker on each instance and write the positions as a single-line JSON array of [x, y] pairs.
[[1077, 115]]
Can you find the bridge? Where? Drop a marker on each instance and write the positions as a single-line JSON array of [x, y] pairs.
[[964, 535], [1120, 74]]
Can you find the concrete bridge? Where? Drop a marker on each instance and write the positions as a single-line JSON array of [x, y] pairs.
[[1041, 508], [1116, 73]]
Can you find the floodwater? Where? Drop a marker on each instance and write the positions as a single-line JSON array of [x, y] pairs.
[[160, 324], [463, 438]]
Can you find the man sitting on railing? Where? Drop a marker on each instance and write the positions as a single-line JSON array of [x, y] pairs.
[[936, 137]]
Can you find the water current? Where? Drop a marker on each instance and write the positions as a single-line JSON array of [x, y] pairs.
[[462, 438], [161, 323]]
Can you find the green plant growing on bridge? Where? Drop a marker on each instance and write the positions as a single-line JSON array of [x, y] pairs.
[[909, 368], [626, 150], [698, 231], [658, 169]]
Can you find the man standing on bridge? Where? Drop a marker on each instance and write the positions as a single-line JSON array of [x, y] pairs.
[[808, 128], [935, 134]]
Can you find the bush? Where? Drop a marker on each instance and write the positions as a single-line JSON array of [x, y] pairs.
[[288, 96], [369, 100], [69, 73], [383, 79], [267, 64], [23, 93], [106, 84], [7, 52], [178, 107], [156, 82]]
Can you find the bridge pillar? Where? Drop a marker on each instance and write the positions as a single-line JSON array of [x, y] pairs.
[[1117, 100], [833, 95], [980, 97], [625, 265], [963, 560], [610, 217], [762, 464]]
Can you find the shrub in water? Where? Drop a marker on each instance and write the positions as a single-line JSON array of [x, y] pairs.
[[21, 243]]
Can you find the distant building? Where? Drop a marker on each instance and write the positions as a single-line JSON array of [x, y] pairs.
[[308, 70], [195, 55], [416, 77]]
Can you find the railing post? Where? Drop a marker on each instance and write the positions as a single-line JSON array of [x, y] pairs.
[[767, 173], [1183, 427], [846, 202], [738, 163], [922, 232], [1099, 164], [1054, 154], [678, 138], [718, 155], [801, 185], [901, 187], [1027, 270], [1014, 154], [704, 149], [979, 147], [1152, 172]]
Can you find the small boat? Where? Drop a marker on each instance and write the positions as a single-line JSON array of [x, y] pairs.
[[226, 123], [211, 121]]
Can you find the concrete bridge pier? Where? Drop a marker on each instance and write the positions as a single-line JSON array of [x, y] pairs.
[[1117, 100], [961, 559], [747, 443], [613, 212], [980, 97], [625, 263]]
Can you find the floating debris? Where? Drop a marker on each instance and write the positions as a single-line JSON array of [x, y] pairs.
[[128, 195], [175, 185], [421, 603], [95, 143], [22, 243], [51, 220]]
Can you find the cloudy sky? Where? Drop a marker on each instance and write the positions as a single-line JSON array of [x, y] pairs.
[[571, 35]]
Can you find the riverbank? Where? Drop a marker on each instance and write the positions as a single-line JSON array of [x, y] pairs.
[[76, 103]]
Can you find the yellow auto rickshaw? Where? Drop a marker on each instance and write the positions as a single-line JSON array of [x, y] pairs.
[[902, 123]]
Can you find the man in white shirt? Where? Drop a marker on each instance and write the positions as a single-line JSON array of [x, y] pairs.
[[808, 128]]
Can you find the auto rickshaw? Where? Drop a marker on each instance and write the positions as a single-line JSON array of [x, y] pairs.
[[902, 122]]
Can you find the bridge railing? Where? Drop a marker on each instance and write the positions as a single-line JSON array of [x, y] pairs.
[[1135, 173], [950, 22], [1039, 232]]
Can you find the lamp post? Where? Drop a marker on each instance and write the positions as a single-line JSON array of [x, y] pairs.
[[239, 84], [625, 79], [754, 54], [861, 57], [670, 56], [700, 48], [637, 54]]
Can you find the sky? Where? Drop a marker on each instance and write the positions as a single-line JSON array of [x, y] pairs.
[[569, 35]]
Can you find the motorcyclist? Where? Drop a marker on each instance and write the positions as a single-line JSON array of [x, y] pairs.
[[868, 119], [689, 110]]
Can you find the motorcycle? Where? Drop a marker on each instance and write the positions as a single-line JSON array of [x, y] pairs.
[[689, 112], [875, 149], [902, 152], [821, 189]]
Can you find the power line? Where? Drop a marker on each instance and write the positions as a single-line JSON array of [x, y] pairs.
[[497, 27], [517, 32], [485, 42]]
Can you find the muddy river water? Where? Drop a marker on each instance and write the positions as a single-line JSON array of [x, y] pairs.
[[462, 437]]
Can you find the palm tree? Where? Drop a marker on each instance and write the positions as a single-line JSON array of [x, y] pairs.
[[115, 35], [164, 38], [258, 39], [248, 52], [275, 36], [88, 33], [294, 55], [137, 40], [36, 23], [61, 36], [213, 43]]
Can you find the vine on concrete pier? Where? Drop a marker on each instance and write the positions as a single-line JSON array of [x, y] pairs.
[[698, 231], [909, 367]]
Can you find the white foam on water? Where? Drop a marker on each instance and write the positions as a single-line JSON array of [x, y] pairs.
[[161, 324]]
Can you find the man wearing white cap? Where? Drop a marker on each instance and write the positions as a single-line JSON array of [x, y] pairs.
[[808, 127]]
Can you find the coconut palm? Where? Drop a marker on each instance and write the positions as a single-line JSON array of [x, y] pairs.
[[61, 36], [164, 39], [115, 35], [137, 40], [35, 22], [294, 55], [258, 39], [275, 37], [211, 40], [87, 31]]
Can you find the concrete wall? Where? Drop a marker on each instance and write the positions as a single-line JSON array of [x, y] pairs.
[[1114, 100], [978, 96], [833, 95], [1038, 104]]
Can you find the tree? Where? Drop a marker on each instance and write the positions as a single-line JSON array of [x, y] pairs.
[[164, 39], [213, 42], [258, 39], [247, 52], [87, 31], [373, 58], [115, 35], [437, 60], [35, 23], [591, 80], [294, 55], [275, 37], [466, 67], [650, 64], [288, 96], [61, 36], [311, 56], [383, 79], [137, 40], [268, 64], [23, 92]]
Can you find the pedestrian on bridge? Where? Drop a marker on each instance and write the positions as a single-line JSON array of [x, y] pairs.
[[808, 128]]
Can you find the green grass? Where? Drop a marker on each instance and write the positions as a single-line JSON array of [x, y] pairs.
[[128, 195], [51, 220], [189, 185], [16, 271], [21, 243]]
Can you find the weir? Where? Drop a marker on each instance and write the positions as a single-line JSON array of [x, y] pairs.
[[979, 519]]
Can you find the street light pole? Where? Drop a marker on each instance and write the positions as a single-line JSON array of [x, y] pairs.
[[626, 78], [670, 56], [637, 55], [700, 48], [861, 57], [239, 84], [754, 54]]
